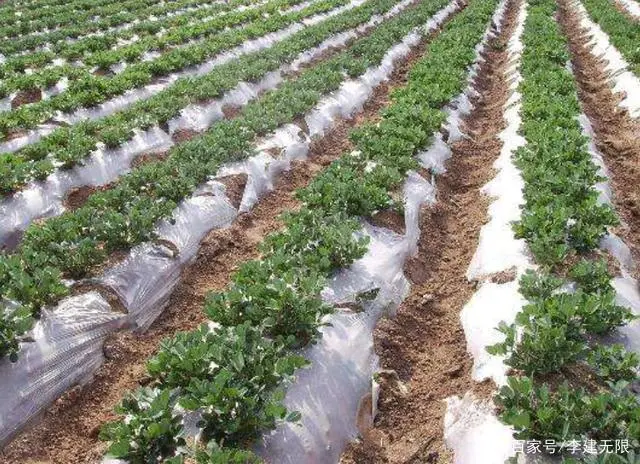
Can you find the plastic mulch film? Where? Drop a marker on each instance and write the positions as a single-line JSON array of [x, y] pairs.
[[471, 423], [329, 393], [471, 427], [343, 361], [148, 276], [632, 7], [621, 78], [626, 286], [66, 350], [45, 199], [123, 101], [474, 433], [145, 279], [498, 250]]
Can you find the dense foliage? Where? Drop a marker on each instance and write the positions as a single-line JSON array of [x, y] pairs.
[[623, 31], [553, 344], [70, 244], [279, 314], [70, 145]]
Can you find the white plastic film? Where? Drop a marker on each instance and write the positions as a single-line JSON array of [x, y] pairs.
[[620, 77], [65, 350], [45, 199], [118, 103], [329, 392], [147, 277], [498, 250], [632, 7], [625, 285], [471, 427], [474, 433], [343, 362]]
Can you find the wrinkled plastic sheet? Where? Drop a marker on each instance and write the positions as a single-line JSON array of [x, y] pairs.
[[471, 424], [135, 95], [474, 433], [120, 27], [247, 47], [621, 78], [147, 277], [66, 350], [67, 341], [343, 361], [626, 287], [328, 393], [498, 250], [45, 199], [435, 156], [471, 427], [199, 117]]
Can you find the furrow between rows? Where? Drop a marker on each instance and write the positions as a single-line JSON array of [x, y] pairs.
[[372, 79], [423, 348], [62, 189]]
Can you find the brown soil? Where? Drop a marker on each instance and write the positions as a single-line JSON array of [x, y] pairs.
[[26, 96], [616, 133], [234, 186], [148, 157], [103, 72], [68, 432], [15, 134], [505, 276], [424, 344], [620, 7], [184, 135], [231, 111], [391, 220], [106, 292], [77, 197], [12, 241]]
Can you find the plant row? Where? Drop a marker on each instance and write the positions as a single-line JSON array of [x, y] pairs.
[[70, 145], [13, 5], [104, 58], [75, 41], [232, 371], [91, 90], [103, 12], [564, 385], [623, 31], [124, 215], [11, 14]]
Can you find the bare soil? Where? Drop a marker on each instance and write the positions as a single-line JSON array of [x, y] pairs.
[[184, 135], [77, 197], [620, 7], [234, 186], [423, 348], [149, 157], [26, 96], [617, 134]]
